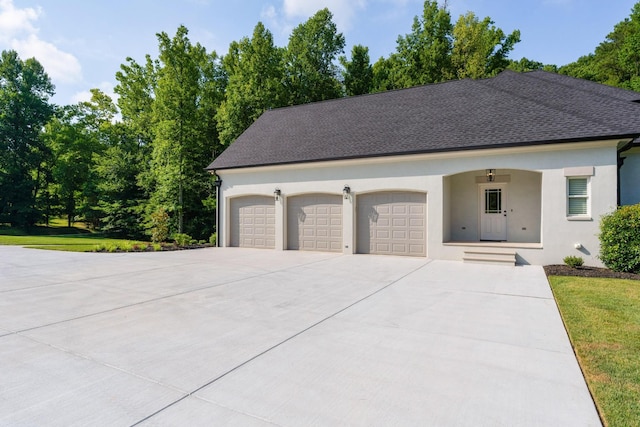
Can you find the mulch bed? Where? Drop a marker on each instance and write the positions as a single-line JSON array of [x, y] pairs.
[[565, 270]]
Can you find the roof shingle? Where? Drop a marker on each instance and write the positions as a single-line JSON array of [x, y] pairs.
[[508, 110]]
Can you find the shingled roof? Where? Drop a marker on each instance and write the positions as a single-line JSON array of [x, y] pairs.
[[511, 109]]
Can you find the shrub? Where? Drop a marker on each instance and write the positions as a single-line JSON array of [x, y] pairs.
[[573, 261], [159, 225], [620, 239], [182, 239], [202, 242], [213, 238]]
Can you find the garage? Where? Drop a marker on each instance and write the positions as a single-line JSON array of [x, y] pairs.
[[253, 220], [314, 222], [392, 223]]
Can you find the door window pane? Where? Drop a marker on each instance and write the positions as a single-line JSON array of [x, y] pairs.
[[493, 200]]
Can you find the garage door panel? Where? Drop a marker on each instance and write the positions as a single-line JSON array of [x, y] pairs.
[[320, 228], [392, 223], [399, 235], [253, 222]]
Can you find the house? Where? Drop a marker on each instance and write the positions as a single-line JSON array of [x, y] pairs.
[[519, 167]]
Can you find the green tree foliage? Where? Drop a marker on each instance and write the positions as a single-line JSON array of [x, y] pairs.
[[616, 61], [25, 90], [358, 73], [620, 239], [136, 89], [310, 69], [121, 197], [435, 50], [422, 56], [524, 65], [181, 148], [479, 48], [76, 137], [254, 68]]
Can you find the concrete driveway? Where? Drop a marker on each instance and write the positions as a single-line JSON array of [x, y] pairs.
[[241, 337]]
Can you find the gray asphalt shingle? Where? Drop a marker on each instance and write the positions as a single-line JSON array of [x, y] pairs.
[[508, 110]]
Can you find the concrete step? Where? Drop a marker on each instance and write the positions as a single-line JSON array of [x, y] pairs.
[[490, 256]]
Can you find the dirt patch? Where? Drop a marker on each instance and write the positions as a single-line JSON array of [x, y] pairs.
[[565, 270]]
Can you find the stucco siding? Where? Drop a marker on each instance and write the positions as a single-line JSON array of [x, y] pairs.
[[531, 168]]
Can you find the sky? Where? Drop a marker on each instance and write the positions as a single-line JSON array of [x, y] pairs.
[[82, 43]]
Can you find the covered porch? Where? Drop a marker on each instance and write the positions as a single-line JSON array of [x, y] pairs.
[[493, 211]]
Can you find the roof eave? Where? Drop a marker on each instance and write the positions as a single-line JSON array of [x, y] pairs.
[[432, 151]]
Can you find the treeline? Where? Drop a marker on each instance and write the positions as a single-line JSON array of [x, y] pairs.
[[124, 168]]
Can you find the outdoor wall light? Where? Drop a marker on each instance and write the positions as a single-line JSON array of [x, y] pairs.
[[491, 175], [276, 194], [346, 191]]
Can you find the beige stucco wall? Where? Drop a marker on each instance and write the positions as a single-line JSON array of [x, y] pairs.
[[426, 173], [630, 177], [523, 203]]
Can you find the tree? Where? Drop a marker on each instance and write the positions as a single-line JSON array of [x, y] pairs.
[[25, 90], [76, 137], [136, 89], [616, 61], [181, 148], [424, 55], [358, 73], [255, 72], [311, 72], [525, 64], [479, 48], [121, 196]]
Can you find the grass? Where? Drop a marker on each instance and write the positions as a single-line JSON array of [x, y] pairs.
[[602, 317], [57, 236]]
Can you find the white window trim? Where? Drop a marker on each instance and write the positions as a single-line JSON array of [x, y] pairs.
[[579, 217]]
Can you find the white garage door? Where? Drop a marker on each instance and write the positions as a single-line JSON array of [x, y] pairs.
[[392, 223], [253, 222], [314, 223]]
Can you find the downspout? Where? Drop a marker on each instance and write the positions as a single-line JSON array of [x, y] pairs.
[[218, 183], [624, 148]]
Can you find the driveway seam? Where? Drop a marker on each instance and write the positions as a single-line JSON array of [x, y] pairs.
[[286, 340], [142, 271], [162, 298]]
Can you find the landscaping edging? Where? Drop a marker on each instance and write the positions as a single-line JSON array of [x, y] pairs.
[[565, 270]]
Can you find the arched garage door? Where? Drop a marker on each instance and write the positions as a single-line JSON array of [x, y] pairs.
[[253, 222], [314, 222], [392, 223]]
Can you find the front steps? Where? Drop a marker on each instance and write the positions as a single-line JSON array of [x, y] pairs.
[[493, 256]]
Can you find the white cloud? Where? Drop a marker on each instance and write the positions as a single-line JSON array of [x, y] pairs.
[[18, 30], [61, 66], [14, 21]]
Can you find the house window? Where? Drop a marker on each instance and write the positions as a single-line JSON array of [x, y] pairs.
[[578, 197]]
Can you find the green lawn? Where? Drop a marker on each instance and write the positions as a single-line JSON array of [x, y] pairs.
[[602, 317], [60, 237]]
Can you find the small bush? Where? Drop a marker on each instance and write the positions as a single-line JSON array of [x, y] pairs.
[[620, 239], [573, 261], [182, 239], [202, 242], [156, 246], [213, 238], [159, 225]]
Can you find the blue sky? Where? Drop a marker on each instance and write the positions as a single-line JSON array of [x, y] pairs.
[[82, 43]]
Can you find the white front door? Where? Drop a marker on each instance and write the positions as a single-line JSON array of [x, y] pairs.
[[493, 212]]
